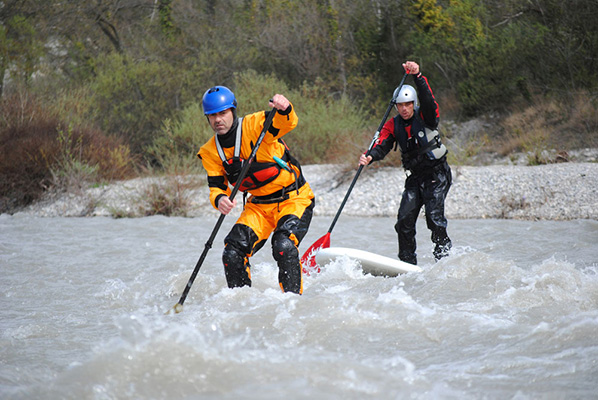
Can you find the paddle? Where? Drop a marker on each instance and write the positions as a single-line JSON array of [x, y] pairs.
[[308, 260], [178, 307]]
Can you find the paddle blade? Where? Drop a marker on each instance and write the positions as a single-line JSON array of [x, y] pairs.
[[308, 260], [178, 307]]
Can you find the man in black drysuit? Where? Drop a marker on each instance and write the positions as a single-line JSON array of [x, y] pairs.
[[429, 178]]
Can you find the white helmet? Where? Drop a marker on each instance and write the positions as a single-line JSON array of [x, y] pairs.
[[406, 94]]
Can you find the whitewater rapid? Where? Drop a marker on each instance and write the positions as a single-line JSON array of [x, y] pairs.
[[512, 313]]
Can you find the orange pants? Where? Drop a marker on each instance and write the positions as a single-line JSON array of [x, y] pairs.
[[288, 222]]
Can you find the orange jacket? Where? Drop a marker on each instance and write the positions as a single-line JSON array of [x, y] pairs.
[[252, 126]]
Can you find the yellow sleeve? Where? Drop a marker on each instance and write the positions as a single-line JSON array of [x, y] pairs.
[[281, 125], [217, 181], [284, 122]]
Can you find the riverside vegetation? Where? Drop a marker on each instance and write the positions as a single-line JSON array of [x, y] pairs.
[[93, 93], [44, 156]]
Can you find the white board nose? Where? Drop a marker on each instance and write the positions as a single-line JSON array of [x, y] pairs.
[[371, 263]]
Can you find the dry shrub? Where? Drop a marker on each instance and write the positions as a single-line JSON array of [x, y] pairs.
[[561, 124], [110, 154], [168, 196], [39, 151], [529, 129], [165, 200], [25, 129], [581, 129], [87, 156]]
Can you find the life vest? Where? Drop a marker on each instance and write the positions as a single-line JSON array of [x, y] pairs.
[[422, 140], [259, 173]]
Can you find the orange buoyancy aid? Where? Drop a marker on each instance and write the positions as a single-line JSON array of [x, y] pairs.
[[265, 176], [259, 173]]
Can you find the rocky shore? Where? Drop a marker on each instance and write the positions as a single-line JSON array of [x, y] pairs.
[[552, 192], [561, 191]]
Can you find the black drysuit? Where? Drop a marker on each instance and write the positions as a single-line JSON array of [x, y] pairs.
[[429, 177]]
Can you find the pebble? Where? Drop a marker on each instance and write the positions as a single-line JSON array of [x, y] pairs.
[[561, 191]]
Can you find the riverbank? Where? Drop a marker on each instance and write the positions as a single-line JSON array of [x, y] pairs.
[[562, 191]]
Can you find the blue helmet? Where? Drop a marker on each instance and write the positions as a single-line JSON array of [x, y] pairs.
[[218, 98]]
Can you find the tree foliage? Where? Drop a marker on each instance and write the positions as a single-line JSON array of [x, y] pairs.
[[148, 59]]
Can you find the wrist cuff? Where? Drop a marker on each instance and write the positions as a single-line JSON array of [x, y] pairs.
[[287, 111]]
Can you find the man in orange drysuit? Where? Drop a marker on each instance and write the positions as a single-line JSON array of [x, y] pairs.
[[281, 202]]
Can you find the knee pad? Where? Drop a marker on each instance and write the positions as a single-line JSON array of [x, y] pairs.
[[236, 267], [283, 248], [286, 255]]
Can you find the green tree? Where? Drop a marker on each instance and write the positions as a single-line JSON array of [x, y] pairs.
[[567, 57], [19, 49]]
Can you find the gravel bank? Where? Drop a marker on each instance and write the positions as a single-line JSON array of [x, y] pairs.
[[562, 191], [554, 192]]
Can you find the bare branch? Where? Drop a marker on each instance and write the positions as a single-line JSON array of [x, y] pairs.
[[508, 19]]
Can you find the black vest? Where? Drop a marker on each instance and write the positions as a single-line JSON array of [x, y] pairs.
[[423, 149]]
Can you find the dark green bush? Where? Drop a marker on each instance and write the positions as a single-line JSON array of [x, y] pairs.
[[132, 98]]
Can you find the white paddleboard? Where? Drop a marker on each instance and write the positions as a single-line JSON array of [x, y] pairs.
[[371, 263]]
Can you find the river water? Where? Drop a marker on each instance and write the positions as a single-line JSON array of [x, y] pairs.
[[512, 313]]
